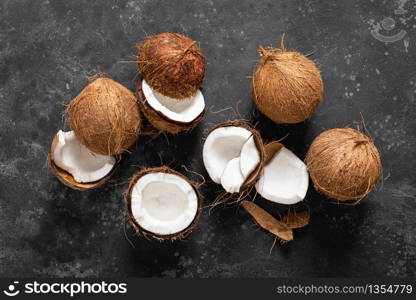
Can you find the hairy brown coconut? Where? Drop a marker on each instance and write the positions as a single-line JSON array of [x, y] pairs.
[[162, 120], [287, 86], [172, 64], [344, 164], [67, 178], [105, 117], [163, 204]]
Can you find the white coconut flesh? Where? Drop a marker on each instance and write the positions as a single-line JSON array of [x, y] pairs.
[[84, 165], [163, 203], [249, 157], [181, 110], [232, 179], [222, 145], [284, 179]]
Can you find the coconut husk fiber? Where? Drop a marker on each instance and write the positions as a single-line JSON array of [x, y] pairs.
[[287, 86], [344, 164], [172, 64], [68, 180], [140, 230], [105, 117], [160, 121]]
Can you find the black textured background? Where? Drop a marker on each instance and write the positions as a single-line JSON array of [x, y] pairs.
[[47, 50]]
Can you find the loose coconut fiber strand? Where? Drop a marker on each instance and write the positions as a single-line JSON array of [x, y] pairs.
[[105, 117], [344, 164]]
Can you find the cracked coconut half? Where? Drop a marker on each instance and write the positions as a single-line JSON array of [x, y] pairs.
[[76, 166], [233, 155], [163, 203]]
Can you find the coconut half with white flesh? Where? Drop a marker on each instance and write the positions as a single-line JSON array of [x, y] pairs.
[[169, 114], [76, 166], [233, 154], [284, 178], [163, 203]]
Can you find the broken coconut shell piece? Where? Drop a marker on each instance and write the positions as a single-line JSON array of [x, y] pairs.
[[284, 178], [105, 117], [172, 64], [76, 166], [268, 222], [233, 155], [163, 203], [344, 164], [168, 114]]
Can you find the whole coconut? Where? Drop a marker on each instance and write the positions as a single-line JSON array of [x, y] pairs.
[[287, 86], [172, 64], [105, 117], [344, 164]]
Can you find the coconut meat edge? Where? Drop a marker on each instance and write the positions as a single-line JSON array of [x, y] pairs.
[[285, 179], [163, 203], [181, 110], [84, 165]]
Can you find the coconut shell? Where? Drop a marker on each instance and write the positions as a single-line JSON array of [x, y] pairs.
[[172, 64], [287, 86], [67, 179], [105, 117], [159, 120], [177, 236], [344, 164], [252, 178]]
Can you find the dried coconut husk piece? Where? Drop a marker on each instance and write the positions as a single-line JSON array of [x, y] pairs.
[[105, 117], [68, 180], [159, 120], [172, 64], [287, 86], [295, 219], [344, 164], [139, 229], [268, 222]]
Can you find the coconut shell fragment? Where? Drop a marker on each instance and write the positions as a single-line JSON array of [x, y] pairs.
[[287, 86], [129, 198], [267, 221], [344, 164], [68, 180], [105, 117], [295, 219], [172, 64]]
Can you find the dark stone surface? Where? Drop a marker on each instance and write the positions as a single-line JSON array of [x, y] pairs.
[[47, 50]]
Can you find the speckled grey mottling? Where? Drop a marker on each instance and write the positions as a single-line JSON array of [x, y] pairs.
[[49, 48]]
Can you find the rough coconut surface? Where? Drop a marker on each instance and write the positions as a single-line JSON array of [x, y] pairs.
[[287, 86], [84, 166], [159, 120], [162, 203], [344, 164], [285, 178], [184, 111], [172, 64], [105, 117]]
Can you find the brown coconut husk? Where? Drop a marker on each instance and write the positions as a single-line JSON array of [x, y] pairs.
[[68, 180], [344, 164], [268, 222], [172, 64], [295, 219], [139, 230], [105, 117], [286, 86], [159, 120]]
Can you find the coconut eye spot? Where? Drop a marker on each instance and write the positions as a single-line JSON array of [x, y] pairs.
[[285, 179], [182, 110], [163, 203], [222, 145], [85, 166]]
